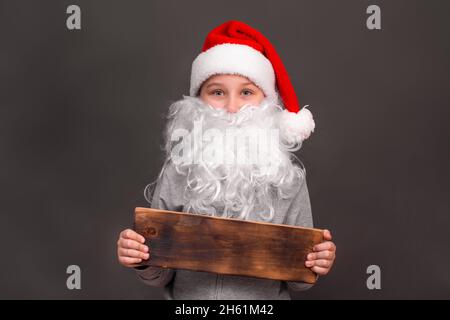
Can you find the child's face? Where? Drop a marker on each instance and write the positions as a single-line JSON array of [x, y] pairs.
[[230, 92]]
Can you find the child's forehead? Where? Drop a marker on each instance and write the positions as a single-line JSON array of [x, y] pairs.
[[229, 78]]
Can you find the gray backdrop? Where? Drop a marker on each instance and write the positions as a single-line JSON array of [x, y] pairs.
[[82, 112]]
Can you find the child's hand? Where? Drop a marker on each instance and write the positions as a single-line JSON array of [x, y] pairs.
[[322, 259], [130, 248]]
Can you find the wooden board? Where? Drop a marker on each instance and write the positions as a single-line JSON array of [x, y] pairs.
[[226, 246]]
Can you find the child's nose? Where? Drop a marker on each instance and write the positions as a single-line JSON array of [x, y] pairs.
[[233, 104]]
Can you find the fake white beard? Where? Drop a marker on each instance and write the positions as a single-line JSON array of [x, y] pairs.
[[235, 184]]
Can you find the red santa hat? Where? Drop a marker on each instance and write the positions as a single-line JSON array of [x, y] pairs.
[[236, 48]]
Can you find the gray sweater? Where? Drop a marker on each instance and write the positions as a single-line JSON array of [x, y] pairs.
[[194, 285]]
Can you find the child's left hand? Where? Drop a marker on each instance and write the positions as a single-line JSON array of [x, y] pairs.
[[322, 259]]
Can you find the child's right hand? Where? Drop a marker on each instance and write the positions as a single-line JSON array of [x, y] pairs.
[[130, 248]]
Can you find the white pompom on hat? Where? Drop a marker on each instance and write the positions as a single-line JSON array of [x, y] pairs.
[[236, 48]]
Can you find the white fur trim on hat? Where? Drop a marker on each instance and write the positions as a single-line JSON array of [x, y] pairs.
[[296, 127], [230, 58]]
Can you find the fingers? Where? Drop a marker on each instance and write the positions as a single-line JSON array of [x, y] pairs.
[[321, 260], [128, 261], [323, 263], [320, 271], [131, 253], [132, 244], [132, 235], [327, 254], [327, 245], [327, 235], [131, 249]]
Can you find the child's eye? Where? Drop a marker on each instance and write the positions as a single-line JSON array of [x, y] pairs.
[[217, 92], [247, 92]]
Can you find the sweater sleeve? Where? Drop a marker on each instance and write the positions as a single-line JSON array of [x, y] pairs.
[[167, 195], [300, 214]]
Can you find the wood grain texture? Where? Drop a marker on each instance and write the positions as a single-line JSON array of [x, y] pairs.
[[226, 246]]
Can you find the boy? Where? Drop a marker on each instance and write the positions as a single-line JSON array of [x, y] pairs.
[[236, 85]]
